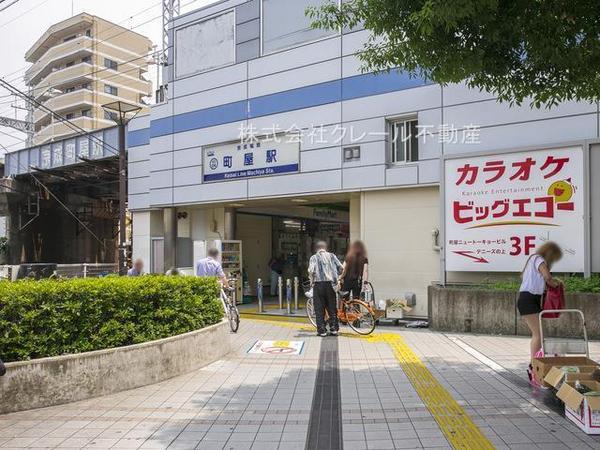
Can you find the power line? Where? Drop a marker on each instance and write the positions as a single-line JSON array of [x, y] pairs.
[[12, 136], [125, 29], [80, 131], [23, 13], [8, 5], [22, 69]]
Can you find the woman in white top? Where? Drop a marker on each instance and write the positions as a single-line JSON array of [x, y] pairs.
[[536, 275]]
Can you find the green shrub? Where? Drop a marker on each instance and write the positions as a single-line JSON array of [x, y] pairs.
[[572, 284], [49, 318]]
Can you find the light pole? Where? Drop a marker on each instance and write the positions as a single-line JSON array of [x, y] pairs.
[[122, 113]]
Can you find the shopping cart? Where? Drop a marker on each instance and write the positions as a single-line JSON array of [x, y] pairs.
[[564, 346]]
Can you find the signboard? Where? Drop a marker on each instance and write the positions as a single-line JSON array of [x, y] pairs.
[[57, 155], [253, 159], [84, 148], [70, 152], [288, 348], [46, 158], [500, 208]]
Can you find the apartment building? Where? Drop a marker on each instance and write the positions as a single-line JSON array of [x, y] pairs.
[[80, 64]]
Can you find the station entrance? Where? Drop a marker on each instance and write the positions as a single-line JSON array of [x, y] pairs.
[[282, 237]]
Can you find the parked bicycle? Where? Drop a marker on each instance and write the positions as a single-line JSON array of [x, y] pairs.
[[229, 306], [356, 313]]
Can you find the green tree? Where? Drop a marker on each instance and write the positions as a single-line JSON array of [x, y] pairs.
[[542, 51]]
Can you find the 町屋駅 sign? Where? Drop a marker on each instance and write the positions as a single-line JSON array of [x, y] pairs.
[[500, 207], [251, 159]]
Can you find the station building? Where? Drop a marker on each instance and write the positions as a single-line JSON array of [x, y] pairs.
[[271, 135]]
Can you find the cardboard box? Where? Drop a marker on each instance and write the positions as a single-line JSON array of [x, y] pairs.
[[541, 366], [583, 410], [557, 376]]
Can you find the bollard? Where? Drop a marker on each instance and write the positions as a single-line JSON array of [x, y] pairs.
[[259, 294], [288, 295], [296, 283], [280, 290]]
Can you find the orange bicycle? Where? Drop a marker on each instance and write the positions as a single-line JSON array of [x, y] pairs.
[[356, 313]]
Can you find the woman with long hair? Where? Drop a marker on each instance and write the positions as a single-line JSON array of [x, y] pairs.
[[356, 269], [535, 276]]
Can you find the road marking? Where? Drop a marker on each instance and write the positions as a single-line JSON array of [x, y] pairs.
[[454, 422]]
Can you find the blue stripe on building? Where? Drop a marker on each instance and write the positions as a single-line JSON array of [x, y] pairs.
[[300, 98]]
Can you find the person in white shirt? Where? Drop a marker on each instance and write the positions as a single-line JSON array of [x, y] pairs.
[[535, 276]]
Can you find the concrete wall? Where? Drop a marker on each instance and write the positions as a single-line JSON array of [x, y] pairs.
[[469, 310], [396, 226], [63, 379]]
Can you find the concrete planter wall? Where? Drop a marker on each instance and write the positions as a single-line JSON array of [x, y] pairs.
[[62, 379], [468, 310]]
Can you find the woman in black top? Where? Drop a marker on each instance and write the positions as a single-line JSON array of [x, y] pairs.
[[355, 271]]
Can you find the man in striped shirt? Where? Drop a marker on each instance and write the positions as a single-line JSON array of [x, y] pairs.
[[323, 271]]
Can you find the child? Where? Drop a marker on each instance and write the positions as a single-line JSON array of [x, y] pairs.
[[536, 275]]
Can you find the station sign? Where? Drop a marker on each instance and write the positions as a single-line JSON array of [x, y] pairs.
[[258, 158], [500, 208]]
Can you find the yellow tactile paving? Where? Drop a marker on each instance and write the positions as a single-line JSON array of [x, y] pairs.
[[454, 422]]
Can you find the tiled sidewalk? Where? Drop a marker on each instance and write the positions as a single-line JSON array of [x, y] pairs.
[[248, 401]]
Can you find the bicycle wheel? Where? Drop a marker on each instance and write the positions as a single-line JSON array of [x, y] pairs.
[[310, 312], [360, 317], [234, 318]]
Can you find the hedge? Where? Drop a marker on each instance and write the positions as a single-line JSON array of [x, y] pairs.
[[56, 317], [573, 283]]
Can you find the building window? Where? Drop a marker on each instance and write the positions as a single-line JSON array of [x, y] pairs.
[[285, 24], [70, 89], [85, 86], [108, 115], [69, 116], [404, 140], [111, 89], [86, 59], [70, 63], [110, 64], [205, 45], [86, 113], [69, 38], [88, 33]]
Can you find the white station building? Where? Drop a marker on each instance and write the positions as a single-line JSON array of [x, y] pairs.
[[271, 138]]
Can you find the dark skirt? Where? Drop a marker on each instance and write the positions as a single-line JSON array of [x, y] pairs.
[[529, 303]]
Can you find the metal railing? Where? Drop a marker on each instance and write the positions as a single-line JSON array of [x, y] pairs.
[[86, 270], [82, 270]]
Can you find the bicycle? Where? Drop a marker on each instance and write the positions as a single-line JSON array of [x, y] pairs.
[[230, 308], [356, 313]]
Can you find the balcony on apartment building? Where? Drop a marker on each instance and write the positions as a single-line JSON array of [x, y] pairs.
[[57, 130], [78, 98], [59, 77], [75, 49]]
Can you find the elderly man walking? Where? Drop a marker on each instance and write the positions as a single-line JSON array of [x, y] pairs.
[[323, 271]]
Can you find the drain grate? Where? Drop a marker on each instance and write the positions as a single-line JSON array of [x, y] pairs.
[[325, 426]]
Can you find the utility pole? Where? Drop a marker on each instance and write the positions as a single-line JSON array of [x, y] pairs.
[[122, 113]]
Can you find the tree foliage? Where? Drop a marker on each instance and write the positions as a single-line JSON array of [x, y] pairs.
[[541, 51]]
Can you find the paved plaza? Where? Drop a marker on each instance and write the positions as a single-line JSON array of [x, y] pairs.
[[399, 388]]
